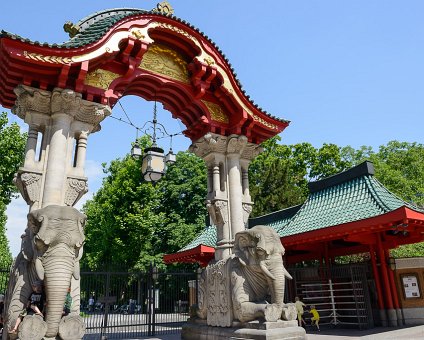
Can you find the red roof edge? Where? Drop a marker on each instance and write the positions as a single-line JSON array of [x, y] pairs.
[[200, 254], [350, 227]]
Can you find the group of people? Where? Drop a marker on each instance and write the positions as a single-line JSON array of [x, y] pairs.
[[36, 304], [300, 310]]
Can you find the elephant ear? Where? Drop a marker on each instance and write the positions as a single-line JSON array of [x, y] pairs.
[[242, 241], [81, 223]]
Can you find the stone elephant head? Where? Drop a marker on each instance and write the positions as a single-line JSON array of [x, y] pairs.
[[259, 253], [57, 242]]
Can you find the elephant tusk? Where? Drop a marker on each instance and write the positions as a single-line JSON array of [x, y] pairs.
[[265, 270], [286, 273]]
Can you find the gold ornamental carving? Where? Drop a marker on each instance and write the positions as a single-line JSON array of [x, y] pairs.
[[209, 60], [163, 7], [100, 78], [51, 59], [217, 114], [138, 34], [162, 60], [178, 30]]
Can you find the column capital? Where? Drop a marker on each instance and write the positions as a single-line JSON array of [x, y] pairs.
[[65, 101], [233, 144]]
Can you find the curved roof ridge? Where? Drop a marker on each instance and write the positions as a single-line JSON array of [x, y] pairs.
[[78, 41], [375, 184], [85, 22], [207, 238]]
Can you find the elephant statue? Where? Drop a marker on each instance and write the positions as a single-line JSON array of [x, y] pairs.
[[51, 250], [248, 285]]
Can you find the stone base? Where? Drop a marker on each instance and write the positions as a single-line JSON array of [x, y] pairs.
[[279, 330]]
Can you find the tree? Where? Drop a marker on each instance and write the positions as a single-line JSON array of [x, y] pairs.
[[279, 176], [12, 146], [134, 222], [275, 180], [400, 167]]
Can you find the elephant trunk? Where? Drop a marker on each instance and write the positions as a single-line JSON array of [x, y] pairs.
[[274, 270], [58, 264]]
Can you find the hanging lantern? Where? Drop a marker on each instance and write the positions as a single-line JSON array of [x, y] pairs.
[[136, 151], [170, 158], [153, 165]]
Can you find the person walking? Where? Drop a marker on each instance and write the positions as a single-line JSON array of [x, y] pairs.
[[315, 316], [299, 307], [91, 304]]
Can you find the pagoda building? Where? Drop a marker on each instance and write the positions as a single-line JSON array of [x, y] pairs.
[[346, 214]]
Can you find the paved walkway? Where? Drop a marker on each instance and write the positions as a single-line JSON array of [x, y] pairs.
[[380, 333]]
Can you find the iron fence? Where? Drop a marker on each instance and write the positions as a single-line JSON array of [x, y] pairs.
[[130, 305], [134, 304]]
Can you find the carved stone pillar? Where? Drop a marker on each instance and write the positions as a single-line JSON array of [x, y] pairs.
[[235, 147], [51, 182], [228, 200], [56, 176]]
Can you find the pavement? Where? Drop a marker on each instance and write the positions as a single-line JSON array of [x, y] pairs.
[[379, 333]]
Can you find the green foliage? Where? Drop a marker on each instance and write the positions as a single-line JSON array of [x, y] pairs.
[[279, 176], [12, 146], [408, 250], [134, 223]]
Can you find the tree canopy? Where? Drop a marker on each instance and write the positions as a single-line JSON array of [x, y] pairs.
[[135, 222], [12, 146]]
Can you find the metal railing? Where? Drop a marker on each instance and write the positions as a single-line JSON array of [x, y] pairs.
[[130, 305], [340, 294]]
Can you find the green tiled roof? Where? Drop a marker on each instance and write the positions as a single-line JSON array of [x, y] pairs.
[[96, 26], [347, 197], [207, 238], [350, 196], [276, 220]]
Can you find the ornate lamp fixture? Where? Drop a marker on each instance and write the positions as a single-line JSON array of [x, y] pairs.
[[155, 162]]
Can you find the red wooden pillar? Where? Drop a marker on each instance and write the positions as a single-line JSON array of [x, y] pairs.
[[383, 316], [376, 277], [391, 313], [394, 292]]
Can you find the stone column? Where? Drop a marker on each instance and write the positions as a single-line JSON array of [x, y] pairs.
[[60, 116], [56, 166], [228, 200], [51, 185], [235, 147]]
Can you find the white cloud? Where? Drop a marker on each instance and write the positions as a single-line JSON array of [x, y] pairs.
[[94, 171], [16, 223]]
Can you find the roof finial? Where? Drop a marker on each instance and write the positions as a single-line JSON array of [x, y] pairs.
[[163, 7], [71, 29]]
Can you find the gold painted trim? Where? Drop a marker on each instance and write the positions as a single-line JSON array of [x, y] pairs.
[[100, 78], [142, 33], [217, 114], [48, 58], [209, 60]]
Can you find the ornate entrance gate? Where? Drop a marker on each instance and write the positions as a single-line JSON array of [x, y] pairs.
[[64, 91]]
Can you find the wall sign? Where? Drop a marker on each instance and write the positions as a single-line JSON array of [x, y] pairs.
[[410, 286]]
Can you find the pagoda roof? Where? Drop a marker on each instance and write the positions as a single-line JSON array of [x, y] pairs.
[[68, 64], [207, 238], [349, 196], [347, 199]]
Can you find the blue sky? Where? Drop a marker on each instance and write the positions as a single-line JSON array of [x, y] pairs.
[[343, 72]]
